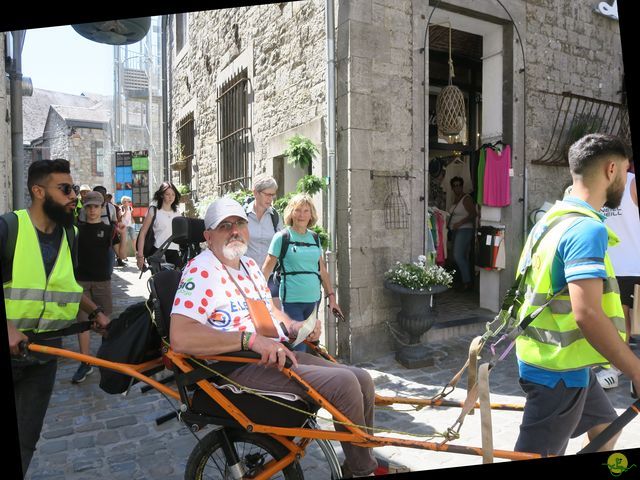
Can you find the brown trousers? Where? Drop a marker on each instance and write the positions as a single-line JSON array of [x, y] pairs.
[[349, 389]]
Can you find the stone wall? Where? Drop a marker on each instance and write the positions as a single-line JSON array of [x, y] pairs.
[[375, 136], [80, 154], [6, 202], [569, 47], [284, 45]]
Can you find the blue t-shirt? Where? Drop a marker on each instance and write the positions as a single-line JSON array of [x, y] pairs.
[[305, 287], [580, 255]]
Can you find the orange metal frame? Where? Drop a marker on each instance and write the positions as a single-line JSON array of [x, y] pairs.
[[285, 435]]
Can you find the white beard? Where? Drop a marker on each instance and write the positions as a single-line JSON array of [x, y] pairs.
[[234, 250]]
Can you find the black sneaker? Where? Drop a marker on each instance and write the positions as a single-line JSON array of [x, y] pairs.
[[121, 263], [84, 370]]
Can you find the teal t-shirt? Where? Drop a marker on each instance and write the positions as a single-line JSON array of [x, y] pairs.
[[305, 287]]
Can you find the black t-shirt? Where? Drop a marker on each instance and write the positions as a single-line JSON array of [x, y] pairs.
[[49, 246], [94, 250]]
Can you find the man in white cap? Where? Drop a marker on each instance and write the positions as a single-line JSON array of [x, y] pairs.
[[84, 189], [224, 305]]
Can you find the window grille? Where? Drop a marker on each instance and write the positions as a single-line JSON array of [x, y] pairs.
[[97, 154], [186, 147], [234, 133], [181, 31], [135, 79], [578, 116]]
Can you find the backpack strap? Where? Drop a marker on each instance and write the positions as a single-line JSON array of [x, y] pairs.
[[11, 219], [286, 240], [275, 219], [275, 216], [71, 233]]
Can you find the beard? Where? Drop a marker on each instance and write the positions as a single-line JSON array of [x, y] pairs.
[[615, 193], [56, 212], [234, 248]]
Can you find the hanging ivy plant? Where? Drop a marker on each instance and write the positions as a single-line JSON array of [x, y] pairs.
[[311, 184], [300, 151]]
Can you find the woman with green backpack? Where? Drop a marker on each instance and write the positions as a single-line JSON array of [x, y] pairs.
[[302, 269]]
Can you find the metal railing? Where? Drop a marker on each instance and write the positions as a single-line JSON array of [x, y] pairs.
[[577, 116]]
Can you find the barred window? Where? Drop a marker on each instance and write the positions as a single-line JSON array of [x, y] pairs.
[[97, 156], [234, 133], [181, 31], [185, 145]]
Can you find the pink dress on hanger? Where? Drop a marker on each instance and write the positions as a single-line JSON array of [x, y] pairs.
[[497, 188]]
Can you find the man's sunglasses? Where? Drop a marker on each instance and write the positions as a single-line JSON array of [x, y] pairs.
[[66, 188], [228, 226]]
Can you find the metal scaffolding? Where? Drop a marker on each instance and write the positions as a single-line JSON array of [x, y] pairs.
[[137, 100]]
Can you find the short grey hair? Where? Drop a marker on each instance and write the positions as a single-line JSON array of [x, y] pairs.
[[264, 182], [125, 199]]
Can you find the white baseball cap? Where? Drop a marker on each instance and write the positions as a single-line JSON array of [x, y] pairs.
[[222, 208]]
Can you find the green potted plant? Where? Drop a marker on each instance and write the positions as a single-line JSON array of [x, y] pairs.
[[179, 159], [183, 190], [300, 151]]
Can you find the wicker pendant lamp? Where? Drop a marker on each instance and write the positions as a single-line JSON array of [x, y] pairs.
[[450, 109]]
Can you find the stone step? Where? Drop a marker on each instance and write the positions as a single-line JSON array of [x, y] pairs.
[[444, 329]]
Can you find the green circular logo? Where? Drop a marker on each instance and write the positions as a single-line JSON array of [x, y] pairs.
[[617, 464]]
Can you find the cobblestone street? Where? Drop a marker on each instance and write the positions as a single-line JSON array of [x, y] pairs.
[[90, 434]]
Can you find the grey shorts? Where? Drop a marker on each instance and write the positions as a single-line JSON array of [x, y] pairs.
[[554, 415]]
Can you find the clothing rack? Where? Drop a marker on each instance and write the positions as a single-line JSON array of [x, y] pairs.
[[493, 145]]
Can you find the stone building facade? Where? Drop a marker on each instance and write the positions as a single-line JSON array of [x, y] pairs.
[[381, 93], [6, 202], [282, 47]]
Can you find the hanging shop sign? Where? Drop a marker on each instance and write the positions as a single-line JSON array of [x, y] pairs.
[[608, 10]]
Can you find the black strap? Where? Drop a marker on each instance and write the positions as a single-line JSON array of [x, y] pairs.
[[70, 330], [515, 295], [11, 219]]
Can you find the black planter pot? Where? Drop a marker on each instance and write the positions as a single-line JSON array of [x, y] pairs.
[[416, 316]]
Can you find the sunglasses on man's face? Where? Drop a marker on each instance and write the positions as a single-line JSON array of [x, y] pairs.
[[228, 226], [66, 188]]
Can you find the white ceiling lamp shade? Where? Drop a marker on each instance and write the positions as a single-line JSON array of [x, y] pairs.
[[450, 108], [115, 32]]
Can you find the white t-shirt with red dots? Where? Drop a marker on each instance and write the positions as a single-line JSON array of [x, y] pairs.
[[207, 294]]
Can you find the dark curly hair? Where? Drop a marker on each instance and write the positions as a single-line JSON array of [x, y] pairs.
[[157, 197], [40, 170]]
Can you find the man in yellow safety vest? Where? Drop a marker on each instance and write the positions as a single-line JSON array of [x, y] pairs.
[[582, 324], [40, 290]]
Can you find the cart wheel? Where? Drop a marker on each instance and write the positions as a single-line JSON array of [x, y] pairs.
[[207, 460]]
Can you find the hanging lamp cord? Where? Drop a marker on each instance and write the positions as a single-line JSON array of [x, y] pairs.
[[451, 73]]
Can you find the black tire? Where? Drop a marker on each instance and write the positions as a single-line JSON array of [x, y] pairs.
[[207, 459]]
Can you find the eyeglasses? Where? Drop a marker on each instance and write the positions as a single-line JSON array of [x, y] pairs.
[[66, 188], [227, 226], [270, 195]]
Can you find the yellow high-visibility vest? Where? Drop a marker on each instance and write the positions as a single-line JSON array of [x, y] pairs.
[[553, 340], [34, 302]]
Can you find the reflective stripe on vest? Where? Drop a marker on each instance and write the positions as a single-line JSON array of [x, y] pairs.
[[33, 301], [553, 340]]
